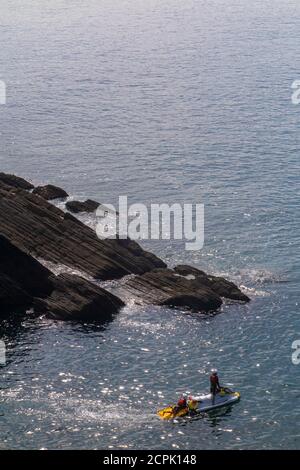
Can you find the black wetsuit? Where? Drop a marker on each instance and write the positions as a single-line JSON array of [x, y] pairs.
[[214, 384]]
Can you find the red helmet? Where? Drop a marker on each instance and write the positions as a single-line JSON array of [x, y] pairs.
[[182, 401]]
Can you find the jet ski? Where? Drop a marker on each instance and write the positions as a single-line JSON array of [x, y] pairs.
[[201, 404]]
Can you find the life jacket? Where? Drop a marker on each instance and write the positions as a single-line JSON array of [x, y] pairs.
[[214, 380]]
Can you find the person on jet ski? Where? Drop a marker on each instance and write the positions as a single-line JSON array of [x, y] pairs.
[[214, 384], [182, 403]]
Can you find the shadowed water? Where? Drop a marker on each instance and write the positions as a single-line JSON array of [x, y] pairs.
[[162, 101]]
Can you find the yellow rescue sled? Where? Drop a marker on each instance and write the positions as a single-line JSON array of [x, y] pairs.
[[200, 404]]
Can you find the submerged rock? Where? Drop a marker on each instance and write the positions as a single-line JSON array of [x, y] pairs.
[[15, 181], [82, 206], [50, 192], [75, 298]]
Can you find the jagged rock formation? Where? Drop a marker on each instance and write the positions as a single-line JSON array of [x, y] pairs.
[[46, 232], [24, 283], [193, 290], [31, 227], [50, 192], [15, 181], [219, 285], [21, 278], [74, 298]]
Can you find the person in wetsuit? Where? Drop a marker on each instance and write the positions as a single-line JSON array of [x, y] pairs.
[[214, 384]]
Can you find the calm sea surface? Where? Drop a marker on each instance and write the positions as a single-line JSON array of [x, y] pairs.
[[162, 101]]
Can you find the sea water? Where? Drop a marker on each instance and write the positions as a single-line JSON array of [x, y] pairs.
[[183, 101]]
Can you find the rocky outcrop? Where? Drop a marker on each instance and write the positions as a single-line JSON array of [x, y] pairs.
[[184, 286], [82, 206], [25, 283], [31, 227], [41, 229], [165, 287], [26, 271], [75, 298], [219, 285], [87, 206], [15, 181], [50, 192], [21, 278]]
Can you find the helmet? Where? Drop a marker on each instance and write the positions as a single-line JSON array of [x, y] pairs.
[[214, 371], [182, 401]]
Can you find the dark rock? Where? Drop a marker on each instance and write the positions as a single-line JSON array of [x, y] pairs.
[[50, 192], [24, 270], [184, 286], [86, 206], [75, 298], [41, 229], [24, 283], [227, 289], [12, 297], [219, 285], [186, 270], [196, 303], [165, 287], [21, 278], [15, 181], [30, 227], [82, 206]]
